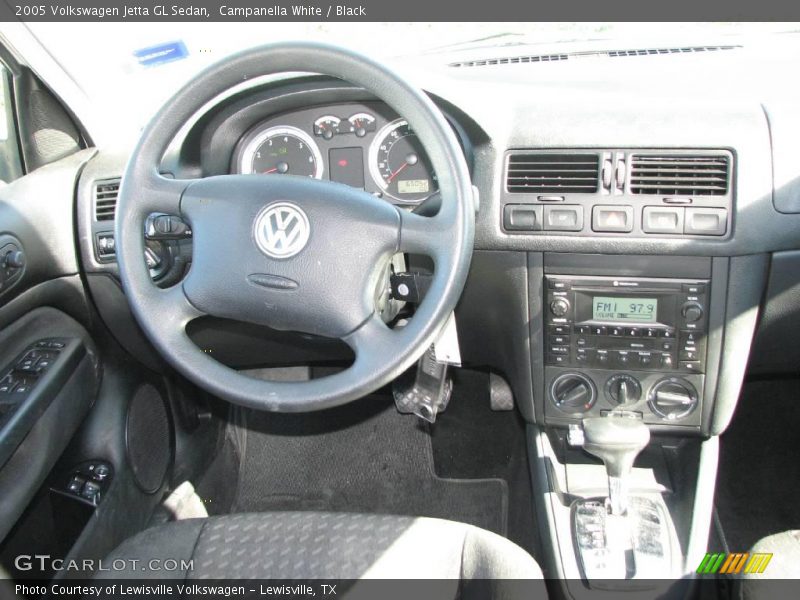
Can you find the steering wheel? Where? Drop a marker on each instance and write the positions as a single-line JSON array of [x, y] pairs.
[[293, 253]]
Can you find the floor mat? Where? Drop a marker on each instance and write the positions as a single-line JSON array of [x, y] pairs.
[[472, 441], [363, 457], [759, 474]]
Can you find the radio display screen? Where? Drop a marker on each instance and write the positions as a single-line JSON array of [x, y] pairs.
[[639, 310]]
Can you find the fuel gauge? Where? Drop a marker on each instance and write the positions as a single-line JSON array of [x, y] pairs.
[[327, 126], [361, 124]]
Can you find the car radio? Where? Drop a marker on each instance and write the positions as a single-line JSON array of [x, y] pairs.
[[626, 323]]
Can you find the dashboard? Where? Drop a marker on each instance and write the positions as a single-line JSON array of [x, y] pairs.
[[569, 174], [364, 145]]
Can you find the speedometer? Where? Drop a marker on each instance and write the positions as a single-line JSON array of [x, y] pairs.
[[399, 165], [281, 150]]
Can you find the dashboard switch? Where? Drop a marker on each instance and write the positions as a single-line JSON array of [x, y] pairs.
[[563, 218], [706, 221], [106, 245], [522, 217], [663, 219], [612, 219]]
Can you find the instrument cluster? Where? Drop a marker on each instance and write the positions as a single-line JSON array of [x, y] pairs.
[[363, 145]]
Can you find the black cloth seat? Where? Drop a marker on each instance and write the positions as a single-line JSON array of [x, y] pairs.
[[783, 565], [319, 545]]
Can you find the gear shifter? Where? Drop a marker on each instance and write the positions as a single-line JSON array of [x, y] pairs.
[[617, 441], [622, 537]]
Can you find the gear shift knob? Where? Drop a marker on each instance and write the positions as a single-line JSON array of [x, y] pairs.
[[617, 441]]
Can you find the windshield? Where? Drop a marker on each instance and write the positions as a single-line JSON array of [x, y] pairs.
[[128, 70]]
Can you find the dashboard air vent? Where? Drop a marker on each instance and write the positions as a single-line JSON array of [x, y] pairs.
[[105, 199], [541, 58], [681, 175], [530, 173], [511, 60]]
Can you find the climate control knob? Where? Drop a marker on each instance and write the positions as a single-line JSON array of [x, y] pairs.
[[672, 398], [559, 307], [573, 392], [623, 389], [692, 312]]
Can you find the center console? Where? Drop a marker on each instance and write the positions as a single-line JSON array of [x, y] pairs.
[[632, 342], [625, 347], [641, 334]]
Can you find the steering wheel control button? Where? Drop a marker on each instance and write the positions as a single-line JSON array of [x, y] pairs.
[[663, 219], [281, 230], [563, 218], [522, 217], [612, 219], [706, 221]]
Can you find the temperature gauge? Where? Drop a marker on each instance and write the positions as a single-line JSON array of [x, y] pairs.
[[326, 127], [361, 124]]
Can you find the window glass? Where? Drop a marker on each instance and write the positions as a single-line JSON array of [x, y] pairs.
[[10, 163]]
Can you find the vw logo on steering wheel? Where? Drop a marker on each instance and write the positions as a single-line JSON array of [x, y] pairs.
[[281, 230]]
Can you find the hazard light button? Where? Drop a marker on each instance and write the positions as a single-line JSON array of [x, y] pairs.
[[617, 219]]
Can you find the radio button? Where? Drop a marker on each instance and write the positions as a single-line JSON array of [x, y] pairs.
[[559, 307], [601, 330], [691, 336], [651, 332], [667, 333], [692, 311], [616, 331], [583, 329], [689, 354], [633, 332], [638, 345], [694, 288]]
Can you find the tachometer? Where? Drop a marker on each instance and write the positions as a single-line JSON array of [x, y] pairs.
[[282, 150], [399, 165]]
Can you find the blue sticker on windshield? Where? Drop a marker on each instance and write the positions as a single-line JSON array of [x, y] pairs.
[[162, 53]]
